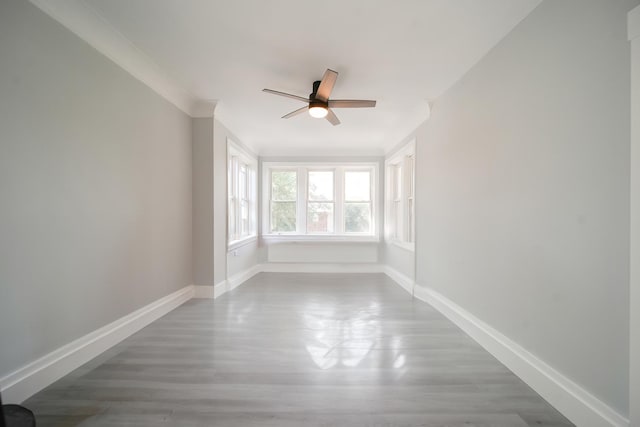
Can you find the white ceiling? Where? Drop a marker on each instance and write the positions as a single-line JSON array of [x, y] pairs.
[[401, 53]]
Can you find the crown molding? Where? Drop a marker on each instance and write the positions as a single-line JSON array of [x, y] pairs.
[[86, 23], [202, 108], [633, 23]]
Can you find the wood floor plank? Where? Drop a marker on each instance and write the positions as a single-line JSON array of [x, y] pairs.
[[297, 350]]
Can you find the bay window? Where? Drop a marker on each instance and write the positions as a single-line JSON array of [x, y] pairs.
[[241, 195], [400, 194], [316, 200]]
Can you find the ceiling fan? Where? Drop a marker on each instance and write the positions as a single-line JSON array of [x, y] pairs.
[[318, 104]]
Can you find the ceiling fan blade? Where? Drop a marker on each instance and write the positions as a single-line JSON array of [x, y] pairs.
[[296, 112], [351, 103], [332, 117], [287, 95], [326, 85]]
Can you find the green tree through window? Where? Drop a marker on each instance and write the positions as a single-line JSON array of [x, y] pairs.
[[283, 200]]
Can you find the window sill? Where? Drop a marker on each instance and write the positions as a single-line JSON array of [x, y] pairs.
[[411, 247], [241, 242], [306, 238]]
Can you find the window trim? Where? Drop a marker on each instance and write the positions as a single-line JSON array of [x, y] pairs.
[[333, 201], [393, 226], [234, 150], [338, 234]]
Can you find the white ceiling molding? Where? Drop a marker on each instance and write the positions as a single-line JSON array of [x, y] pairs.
[[227, 120], [87, 24], [303, 152], [633, 25], [202, 108]]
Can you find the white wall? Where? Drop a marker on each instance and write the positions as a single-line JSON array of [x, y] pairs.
[[226, 264], [242, 259], [634, 36], [203, 201], [212, 263], [220, 133], [400, 259], [323, 252], [523, 201], [95, 188]]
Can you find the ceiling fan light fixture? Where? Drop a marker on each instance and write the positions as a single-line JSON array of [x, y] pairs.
[[318, 111]]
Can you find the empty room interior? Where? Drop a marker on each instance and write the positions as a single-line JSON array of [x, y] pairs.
[[286, 213]]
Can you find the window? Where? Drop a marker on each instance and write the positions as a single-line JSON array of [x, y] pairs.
[[284, 185], [357, 201], [242, 177], [400, 203], [320, 202], [320, 199]]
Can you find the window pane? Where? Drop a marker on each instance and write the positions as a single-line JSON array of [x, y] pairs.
[[397, 182], [409, 175], [244, 218], [230, 178], [284, 185], [320, 218], [232, 219], [357, 186], [357, 217], [410, 231], [320, 185], [283, 217], [242, 182], [397, 213]]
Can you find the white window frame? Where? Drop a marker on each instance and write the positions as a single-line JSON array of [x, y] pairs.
[[268, 200], [237, 157], [303, 168], [333, 201], [400, 205], [372, 198]]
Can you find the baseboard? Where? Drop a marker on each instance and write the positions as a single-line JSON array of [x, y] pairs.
[[276, 267], [203, 292], [28, 380], [573, 401], [225, 286], [219, 289], [406, 282], [210, 292], [281, 267], [239, 278]]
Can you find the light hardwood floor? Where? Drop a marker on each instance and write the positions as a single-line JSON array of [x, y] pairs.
[[297, 350]]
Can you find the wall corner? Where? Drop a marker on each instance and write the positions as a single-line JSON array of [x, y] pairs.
[[633, 31], [203, 108]]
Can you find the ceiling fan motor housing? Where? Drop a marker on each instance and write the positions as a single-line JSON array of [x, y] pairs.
[[317, 103], [316, 85], [314, 102]]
